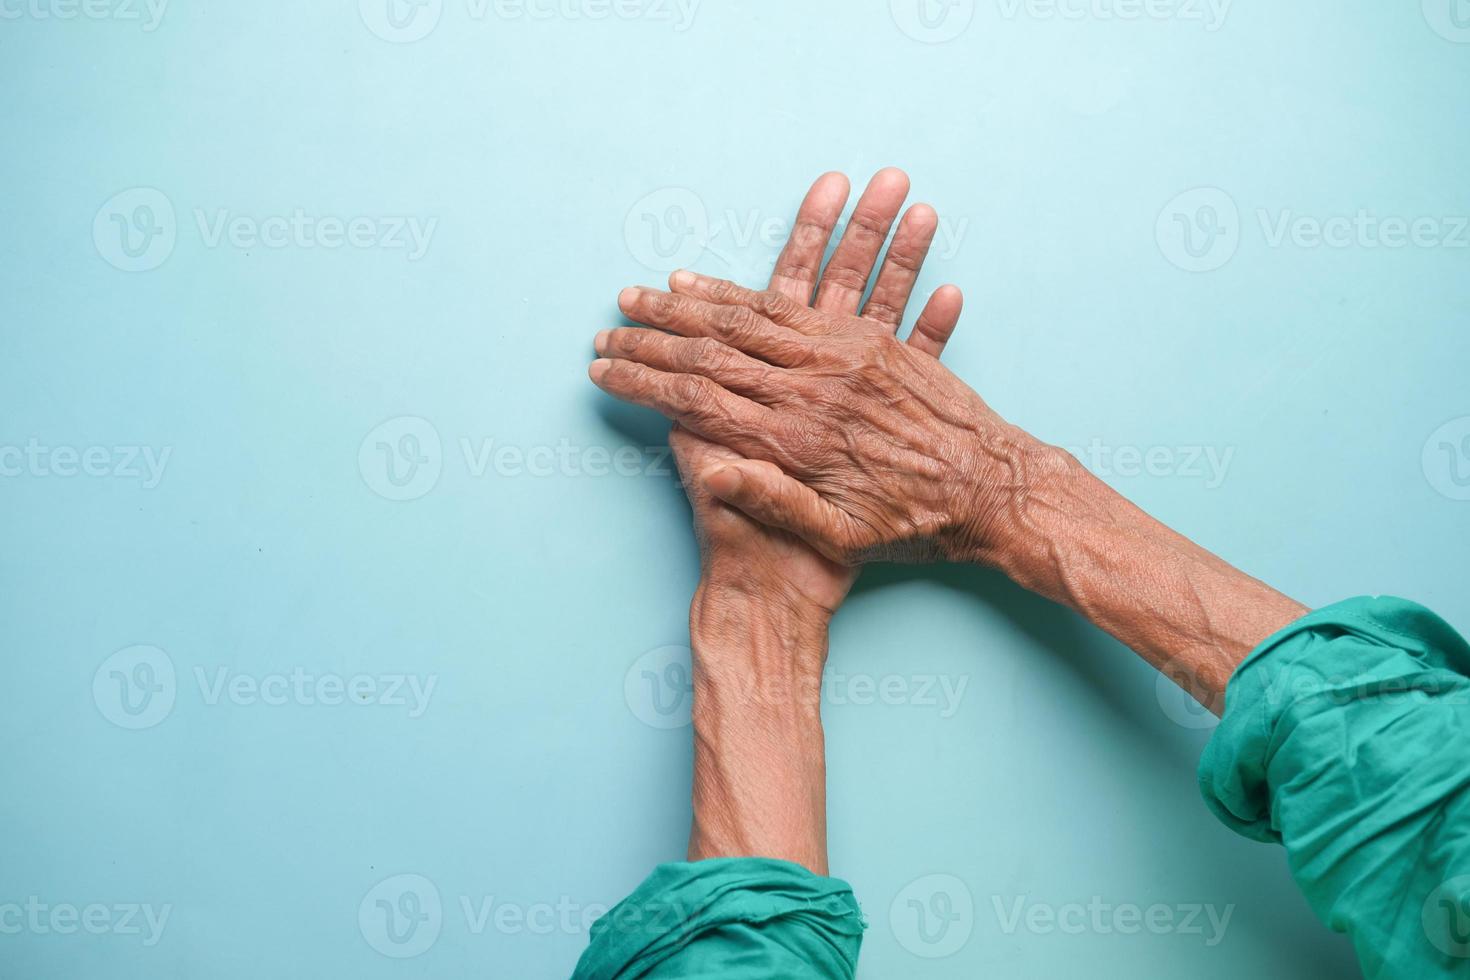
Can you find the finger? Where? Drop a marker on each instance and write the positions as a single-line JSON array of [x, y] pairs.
[[846, 279], [694, 454], [776, 307], [703, 356], [901, 266], [695, 402], [935, 325], [800, 261], [738, 326], [764, 493]]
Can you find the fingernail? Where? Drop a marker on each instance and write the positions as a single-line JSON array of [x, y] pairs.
[[598, 368], [599, 343], [681, 277], [628, 298]]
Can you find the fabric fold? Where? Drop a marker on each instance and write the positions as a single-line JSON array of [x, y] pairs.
[[1346, 738], [738, 918]]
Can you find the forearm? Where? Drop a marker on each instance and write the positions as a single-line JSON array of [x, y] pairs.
[[759, 762], [1065, 534]]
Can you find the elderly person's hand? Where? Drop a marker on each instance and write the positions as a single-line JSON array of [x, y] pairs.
[[758, 622], [867, 448], [753, 556], [863, 445]]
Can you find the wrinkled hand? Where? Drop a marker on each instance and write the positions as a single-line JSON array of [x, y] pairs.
[[733, 547], [743, 555], [862, 445]]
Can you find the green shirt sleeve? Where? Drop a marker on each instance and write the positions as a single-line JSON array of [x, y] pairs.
[[734, 918], [1346, 738]]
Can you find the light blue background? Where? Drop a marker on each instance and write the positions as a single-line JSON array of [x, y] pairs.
[[1051, 145]]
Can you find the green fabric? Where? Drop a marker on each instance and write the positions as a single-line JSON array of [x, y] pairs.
[[1346, 738], [733, 918]]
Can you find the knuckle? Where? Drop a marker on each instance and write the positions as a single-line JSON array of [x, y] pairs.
[[910, 260], [868, 224], [628, 341], [846, 277], [809, 234], [883, 312], [723, 290], [772, 304], [691, 393], [728, 320], [706, 353], [657, 304]]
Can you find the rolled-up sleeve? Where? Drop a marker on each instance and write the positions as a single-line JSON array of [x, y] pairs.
[[1346, 738], [735, 918]]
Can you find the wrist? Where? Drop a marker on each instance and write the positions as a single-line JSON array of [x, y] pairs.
[[740, 585], [743, 636], [1003, 500]]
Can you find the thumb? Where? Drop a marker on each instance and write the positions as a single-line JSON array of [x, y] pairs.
[[765, 494]]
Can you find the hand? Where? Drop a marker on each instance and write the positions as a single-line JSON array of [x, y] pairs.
[[743, 553], [743, 556], [758, 623], [862, 445]]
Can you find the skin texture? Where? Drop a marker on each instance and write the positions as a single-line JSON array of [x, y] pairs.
[[758, 622], [867, 449]]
